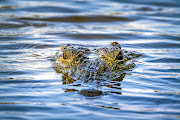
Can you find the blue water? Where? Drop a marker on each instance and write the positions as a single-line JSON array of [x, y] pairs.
[[32, 32]]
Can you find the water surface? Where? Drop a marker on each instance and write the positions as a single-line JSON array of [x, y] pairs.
[[32, 31]]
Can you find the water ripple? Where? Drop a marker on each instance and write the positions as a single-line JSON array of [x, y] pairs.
[[79, 19], [32, 32]]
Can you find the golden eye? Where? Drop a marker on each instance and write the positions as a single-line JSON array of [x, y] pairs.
[[62, 47]]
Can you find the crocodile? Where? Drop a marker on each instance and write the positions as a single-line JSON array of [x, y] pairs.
[[107, 64]]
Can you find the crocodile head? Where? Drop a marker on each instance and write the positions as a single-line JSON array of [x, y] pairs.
[[110, 64]]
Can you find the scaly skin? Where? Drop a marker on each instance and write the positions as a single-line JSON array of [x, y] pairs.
[[111, 59], [110, 64]]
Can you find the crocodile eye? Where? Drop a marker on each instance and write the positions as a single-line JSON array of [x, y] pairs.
[[114, 43]]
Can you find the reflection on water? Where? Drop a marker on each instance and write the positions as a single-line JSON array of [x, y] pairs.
[[113, 83], [32, 32]]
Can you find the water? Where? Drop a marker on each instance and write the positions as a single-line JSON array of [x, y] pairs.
[[32, 31]]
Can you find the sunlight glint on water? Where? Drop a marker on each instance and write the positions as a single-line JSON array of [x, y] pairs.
[[32, 32]]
